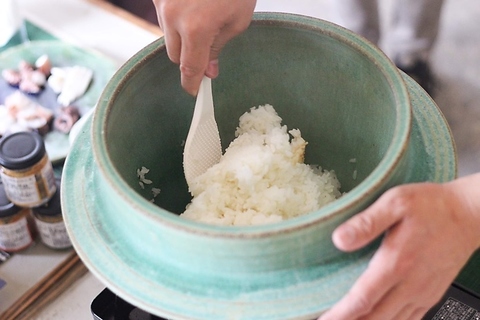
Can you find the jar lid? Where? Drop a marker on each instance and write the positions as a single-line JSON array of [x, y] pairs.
[[53, 206], [21, 150], [7, 208]]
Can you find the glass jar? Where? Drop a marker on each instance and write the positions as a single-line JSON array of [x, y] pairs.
[[15, 231], [26, 172], [50, 224]]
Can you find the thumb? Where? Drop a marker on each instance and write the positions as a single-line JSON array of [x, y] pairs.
[[230, 30], [212, 70], [365, 227]]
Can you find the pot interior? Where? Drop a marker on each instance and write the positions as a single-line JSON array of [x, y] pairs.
[[336, 91]]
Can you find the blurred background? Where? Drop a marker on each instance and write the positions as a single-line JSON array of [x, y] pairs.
[[455, 62]]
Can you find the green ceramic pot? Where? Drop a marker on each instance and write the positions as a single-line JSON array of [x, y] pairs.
[[348, 100]]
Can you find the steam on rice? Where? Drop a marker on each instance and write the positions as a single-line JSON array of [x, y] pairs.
[[261, 178]]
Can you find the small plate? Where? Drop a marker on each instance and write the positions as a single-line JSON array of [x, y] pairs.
[[298, 294], [61, 54]]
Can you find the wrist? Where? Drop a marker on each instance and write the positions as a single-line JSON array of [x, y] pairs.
[[467, 192]]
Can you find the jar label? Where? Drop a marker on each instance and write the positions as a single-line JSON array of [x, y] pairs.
[[54, 234], [15, 236], [30, 190]]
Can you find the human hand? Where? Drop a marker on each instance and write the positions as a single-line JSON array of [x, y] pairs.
[[195, 32], [432, 230]]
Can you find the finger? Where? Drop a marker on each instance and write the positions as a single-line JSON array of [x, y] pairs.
[[408, 312], [173, 43], [409, 300], [418, 313], [171, 36], [370, 288], [407, 296], [194, 57], [212, 69], [199, 57], [160, 21], [193, 64], [366, 226], [393, 306], [227, 33]]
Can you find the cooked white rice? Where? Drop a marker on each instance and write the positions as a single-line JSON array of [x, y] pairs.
[[261, 178]]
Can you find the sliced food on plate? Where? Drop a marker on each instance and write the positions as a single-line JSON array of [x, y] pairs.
[[20, 112], [47, 86]]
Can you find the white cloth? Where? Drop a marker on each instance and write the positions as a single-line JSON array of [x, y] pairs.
[[9, 20], [409, 34]]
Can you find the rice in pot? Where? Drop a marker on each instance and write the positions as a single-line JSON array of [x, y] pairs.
[[261, 178]]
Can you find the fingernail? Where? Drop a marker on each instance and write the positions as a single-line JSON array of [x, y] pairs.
[[344, 236], [212, 69]]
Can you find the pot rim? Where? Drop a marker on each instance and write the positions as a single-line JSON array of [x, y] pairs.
[[372, 184]]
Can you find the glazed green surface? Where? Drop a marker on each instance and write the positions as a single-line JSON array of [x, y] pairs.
[[124, 268], [176, 268]]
